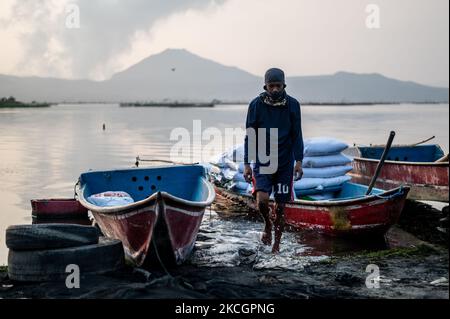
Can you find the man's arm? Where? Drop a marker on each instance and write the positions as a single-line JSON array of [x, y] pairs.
[[297, 135], [297, 141], [249, 124]]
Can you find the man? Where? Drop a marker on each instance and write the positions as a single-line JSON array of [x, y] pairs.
[[273, 109]]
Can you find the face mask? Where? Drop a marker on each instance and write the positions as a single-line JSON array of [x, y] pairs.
[[276, 95]]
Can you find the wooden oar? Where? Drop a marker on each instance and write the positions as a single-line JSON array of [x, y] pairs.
[[138, 159], [398, 145], [381, 162], [424, 141]]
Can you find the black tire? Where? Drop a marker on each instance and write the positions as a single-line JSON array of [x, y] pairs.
[[49, 236], [50, 265]]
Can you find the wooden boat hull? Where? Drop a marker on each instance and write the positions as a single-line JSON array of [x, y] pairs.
[[372, 215], [159, 227], [171, 227], [428, 181]]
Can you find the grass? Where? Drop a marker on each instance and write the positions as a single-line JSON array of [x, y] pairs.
[[421, 250]]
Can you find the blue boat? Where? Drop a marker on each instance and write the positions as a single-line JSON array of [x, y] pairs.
[[162, 221], [420, 153]]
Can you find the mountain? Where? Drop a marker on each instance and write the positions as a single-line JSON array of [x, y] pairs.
[[354, 88], [181, 75], [176, 74]]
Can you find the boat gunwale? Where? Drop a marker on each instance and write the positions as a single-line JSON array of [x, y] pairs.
[[433, 164], [346, 202]]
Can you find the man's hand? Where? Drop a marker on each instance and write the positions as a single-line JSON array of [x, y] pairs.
[[298, 171], [248, 173]]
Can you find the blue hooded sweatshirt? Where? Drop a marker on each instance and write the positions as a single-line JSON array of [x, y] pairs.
[[287, 119]]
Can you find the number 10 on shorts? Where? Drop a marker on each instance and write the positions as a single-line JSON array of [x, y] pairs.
[[283, 188]]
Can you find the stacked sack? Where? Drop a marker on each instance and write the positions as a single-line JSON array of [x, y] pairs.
[[231, 165], [324, 168], [111, 199], [239, 182]]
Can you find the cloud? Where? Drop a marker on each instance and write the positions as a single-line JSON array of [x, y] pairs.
[[49, 47], [305, 37], [312, 37]]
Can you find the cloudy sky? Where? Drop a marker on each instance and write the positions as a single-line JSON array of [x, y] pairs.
[[405, 39]]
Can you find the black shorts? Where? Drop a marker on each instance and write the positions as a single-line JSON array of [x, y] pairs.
[[280, 184]]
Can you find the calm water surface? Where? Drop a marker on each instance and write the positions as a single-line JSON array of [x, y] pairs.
[[43, 151]]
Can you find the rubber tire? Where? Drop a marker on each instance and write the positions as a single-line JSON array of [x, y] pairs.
[[50, 265], [50, 236]]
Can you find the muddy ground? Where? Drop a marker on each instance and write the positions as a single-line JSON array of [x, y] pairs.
[[418, 269]]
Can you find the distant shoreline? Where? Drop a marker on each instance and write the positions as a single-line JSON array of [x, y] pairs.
[[165, 104], [23, 105], [203, 104]]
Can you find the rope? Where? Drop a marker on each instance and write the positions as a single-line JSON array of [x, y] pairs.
[[210, 215], [159, 259]]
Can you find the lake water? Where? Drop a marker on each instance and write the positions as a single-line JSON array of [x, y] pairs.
[[43, 151]]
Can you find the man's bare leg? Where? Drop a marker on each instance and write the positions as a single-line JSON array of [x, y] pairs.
[[262, 199], [279, 226]]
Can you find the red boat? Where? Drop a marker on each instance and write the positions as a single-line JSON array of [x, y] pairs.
[[58, 208], [351, 212], [162, 223], [424, 168]]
